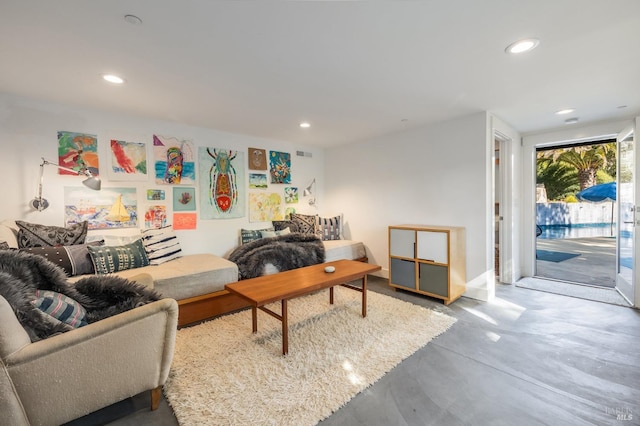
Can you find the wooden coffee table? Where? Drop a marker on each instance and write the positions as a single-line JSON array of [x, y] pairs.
[[287, 285]]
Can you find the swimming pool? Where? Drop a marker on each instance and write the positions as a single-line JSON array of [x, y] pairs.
[[578, 231]]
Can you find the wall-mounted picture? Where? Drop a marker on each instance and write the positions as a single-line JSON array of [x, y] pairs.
[[290, 194], [182, 221], [127, 160], [108, 208], [78, 151], [184, 199], [257, 159], [287, 212], [222, 186], [174, 161], [155, 217], [257, 180], [264, 207], [280, 167], [155, 194]]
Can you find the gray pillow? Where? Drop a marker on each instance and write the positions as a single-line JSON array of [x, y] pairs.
[[35, 235]]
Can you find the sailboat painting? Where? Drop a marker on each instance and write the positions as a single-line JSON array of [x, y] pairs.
[[109, 208]]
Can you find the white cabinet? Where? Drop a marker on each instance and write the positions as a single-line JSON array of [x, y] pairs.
[[428, 259]]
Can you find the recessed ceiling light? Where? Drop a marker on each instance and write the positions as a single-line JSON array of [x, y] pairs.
[[621, 106], [113, 79], [305, 125], [571, 120], [565, 111], [522, 46], [133, 19]]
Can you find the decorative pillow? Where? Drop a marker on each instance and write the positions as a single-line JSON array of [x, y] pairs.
[[34, 235], [329, 228], [61, 307], [248, 235], [108, 259], [305, 223], [75, 260], [279, 225], [161, 245], [269, 234], [9, 233]]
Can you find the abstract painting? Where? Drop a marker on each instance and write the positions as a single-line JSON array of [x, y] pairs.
[[184, 221], [108, 208], [155, 217], [155, 194], [257, 159], [184, 199], [222, 185], [78, 151], [280, 167], [174, 161], [264, 207], [258, 180], [128, 160]]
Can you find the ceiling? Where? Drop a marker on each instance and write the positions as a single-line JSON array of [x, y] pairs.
[[354, 70]]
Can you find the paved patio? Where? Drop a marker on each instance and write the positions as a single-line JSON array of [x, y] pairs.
[[594, 260]]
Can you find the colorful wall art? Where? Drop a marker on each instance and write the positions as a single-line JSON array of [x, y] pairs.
[[108, 208], [257, 180], [222, 184], [128, 160], [78, 151], [155, 217], [174, 161], [280, 167], [184, 199], [290, 194], [155, 194], [257, 159], [264, 207], [182, 221]]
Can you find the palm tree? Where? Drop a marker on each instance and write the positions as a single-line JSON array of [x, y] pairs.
[[586, 159]]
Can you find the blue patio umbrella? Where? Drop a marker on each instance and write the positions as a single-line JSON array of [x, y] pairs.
[[598, 194]]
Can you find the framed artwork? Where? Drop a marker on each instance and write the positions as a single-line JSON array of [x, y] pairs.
[[155, 217], [280, 167], [287, 212], [78, 151], [257, 159], [290, 194], [264, 207], [155, 194], [127, 160], [257, 180], [109, 208], [174, 161], [222, 184], [184, 199], [183, 221]]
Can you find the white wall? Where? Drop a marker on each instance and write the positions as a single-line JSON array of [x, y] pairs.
[[28, 131], [435, 175]]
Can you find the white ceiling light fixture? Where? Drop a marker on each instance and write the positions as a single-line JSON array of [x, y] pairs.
[[572, 120], [305, 125], [522, 46], [133, 19], [565, 111], [111, 78]]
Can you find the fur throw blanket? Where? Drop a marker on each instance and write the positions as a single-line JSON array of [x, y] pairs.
[[284, 252], [102, 296]]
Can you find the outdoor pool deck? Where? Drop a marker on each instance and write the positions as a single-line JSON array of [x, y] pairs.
[[589, 261]]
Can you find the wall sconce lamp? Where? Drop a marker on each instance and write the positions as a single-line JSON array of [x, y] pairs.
[[308, 191], [91, 181]]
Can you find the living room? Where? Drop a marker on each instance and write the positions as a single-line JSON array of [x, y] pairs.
[[430, 163]]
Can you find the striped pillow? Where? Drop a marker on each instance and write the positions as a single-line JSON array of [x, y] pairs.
[[161, 245], [329, 228], [61, 307]]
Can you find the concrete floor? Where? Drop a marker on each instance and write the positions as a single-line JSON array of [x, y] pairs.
[[525, 358], [594, 265]]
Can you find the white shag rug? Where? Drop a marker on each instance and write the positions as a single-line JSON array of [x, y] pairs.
[[222, 374]]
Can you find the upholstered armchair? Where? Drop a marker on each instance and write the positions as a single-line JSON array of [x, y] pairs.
[[69, 375]]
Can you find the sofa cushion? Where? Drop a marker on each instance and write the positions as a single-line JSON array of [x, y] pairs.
[[270, 234], [35, 235], [109, 259], [75, 260], [329, 228], [61, 308], [248, 235], [9, 233], [306, 224], [279, 225], [161, 245]]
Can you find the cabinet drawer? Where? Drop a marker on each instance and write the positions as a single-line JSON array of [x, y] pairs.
[[433, 246], [403, 273], [434, 279], [402, 243]]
